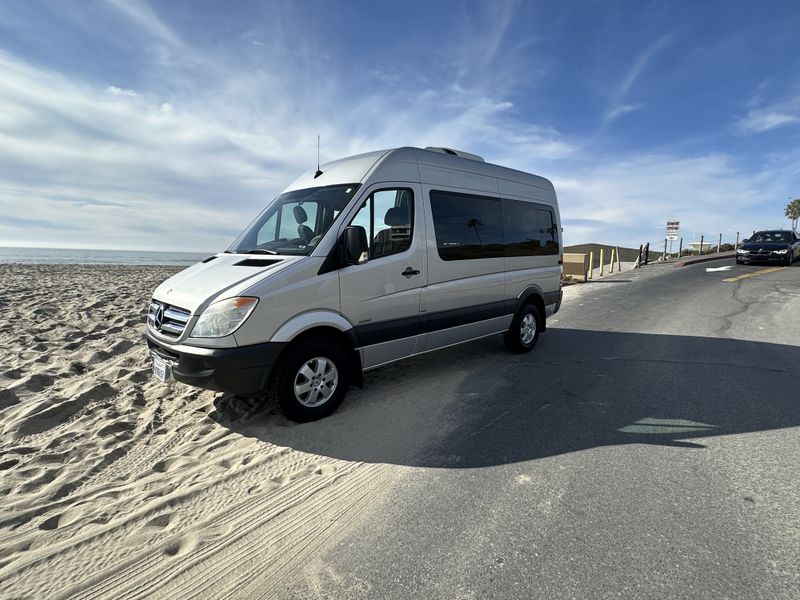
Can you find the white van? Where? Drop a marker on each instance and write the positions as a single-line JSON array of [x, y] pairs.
[[365, 261]]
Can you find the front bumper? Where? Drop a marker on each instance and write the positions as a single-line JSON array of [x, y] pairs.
[[767, 258], [243, 370]]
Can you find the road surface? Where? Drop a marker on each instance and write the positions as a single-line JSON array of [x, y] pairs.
[[647, 448]]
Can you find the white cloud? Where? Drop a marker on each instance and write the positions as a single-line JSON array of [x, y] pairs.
[[109, 165], [617, 107], [116, 91], [629, 201], [622, 109], [760, 120], [94, 162], [763, 116]]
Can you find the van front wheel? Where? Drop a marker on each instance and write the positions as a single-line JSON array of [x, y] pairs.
[[310, 380], [523, 334]]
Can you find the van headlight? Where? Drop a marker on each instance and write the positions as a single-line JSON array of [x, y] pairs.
[[224, 317]]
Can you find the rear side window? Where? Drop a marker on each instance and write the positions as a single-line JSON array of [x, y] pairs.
[[388, 217], [529, 229], [467, 226]]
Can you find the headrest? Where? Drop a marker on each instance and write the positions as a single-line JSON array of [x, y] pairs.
[[397, 216], [300, 214]]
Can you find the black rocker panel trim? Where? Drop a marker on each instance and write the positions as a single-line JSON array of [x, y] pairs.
[[386, 331]]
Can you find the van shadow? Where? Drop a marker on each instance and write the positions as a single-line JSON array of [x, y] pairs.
[[476, 405]]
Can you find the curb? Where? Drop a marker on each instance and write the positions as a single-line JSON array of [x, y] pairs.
[[702, 259]]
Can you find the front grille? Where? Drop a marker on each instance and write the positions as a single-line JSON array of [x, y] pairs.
[[167, 320]]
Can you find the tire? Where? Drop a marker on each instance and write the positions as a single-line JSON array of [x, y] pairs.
[[518, 338], [738, 262], [789, 260], [310, 380]]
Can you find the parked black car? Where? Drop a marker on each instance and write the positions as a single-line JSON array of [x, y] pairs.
[[781, 246]]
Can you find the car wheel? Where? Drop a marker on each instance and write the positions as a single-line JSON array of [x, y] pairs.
[[738, 262], [310, 380], [788, 261], [523, 334]]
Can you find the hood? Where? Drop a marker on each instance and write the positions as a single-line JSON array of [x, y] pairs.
[[205, 281]]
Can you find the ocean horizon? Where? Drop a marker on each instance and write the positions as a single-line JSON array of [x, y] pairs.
[[81, 256]]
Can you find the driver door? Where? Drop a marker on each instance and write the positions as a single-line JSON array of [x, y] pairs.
[[382, 296]]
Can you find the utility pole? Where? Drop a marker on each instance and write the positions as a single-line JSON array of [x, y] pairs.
[[701, 245], [737, 241], [664, 255], [719, 244], [680, 248]]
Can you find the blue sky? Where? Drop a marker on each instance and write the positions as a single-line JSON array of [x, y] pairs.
[[169, 125]]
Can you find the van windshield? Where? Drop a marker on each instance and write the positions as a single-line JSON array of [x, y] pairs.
[[295, 222]]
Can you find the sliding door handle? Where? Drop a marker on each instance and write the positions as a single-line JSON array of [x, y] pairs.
[[409, 272]]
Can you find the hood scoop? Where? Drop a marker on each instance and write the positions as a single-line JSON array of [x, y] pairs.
[[257, 262]]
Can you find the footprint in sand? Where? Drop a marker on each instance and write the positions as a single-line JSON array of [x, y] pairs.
[[13, 374], [116, 427], [54, 458], [7, 398], [160, 522], [264, 487], [60, 412], [180, 545], [77, 367], [41, 481], [171, 464], [15, 549], [39, 381], [190, 541]]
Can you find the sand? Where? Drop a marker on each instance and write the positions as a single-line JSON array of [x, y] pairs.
[[114, 485]]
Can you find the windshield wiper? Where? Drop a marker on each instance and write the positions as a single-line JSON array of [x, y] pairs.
[[260, 251]]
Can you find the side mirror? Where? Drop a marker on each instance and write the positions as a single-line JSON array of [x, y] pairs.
[[356, 249]]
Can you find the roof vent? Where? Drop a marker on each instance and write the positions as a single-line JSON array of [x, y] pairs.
[[452, 152]]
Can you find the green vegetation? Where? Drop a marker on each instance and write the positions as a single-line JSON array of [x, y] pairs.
[[793, 212]]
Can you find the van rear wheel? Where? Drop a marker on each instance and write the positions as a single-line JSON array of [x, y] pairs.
[[523, 334], [310, 380]]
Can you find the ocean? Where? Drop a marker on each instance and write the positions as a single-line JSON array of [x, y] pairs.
[[74, 256]]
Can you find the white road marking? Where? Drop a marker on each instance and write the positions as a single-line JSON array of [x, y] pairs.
[[715, 269]]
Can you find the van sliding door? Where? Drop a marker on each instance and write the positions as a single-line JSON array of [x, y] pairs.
[[465, 294]]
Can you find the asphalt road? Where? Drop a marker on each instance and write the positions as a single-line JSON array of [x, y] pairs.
[[647, 448]]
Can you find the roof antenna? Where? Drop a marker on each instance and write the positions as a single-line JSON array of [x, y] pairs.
[[318, 173]]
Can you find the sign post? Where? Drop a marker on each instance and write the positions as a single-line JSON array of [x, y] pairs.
[[673, 229]]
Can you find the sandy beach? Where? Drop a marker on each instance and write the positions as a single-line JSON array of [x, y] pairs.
[[114, 485]]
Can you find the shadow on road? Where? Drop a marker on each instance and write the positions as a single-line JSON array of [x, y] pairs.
[[606, 281], [477, 406]]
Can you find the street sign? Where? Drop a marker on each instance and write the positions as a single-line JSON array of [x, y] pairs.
[[673, 229]]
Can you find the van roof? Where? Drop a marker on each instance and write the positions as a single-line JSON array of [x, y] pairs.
[[402, 164]]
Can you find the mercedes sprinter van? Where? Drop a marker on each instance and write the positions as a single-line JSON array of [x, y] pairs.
[[367, 260]]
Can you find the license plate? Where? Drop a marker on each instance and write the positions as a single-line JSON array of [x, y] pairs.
[[160, 368]]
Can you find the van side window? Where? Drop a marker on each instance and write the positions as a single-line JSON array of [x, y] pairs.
[[529, 229], [467, 226], [388, 217], [548, 233]]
